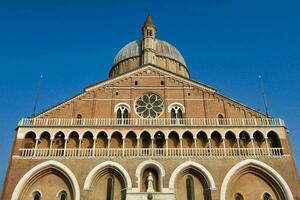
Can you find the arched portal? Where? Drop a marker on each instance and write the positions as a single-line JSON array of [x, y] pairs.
[[41, 176], [191, 180], [264, 177], [108, 180]]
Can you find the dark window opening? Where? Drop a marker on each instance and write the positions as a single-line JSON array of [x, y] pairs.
[[176, 115], [109, 191], [37, 196], [189, 189], [162, 83], [136, 83]]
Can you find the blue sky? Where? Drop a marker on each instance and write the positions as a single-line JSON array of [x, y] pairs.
[[226, 44]]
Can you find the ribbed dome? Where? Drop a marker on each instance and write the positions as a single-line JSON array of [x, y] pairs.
[[163, 49]]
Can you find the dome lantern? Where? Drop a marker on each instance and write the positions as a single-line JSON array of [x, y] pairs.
[[148, 42], [149, 50]]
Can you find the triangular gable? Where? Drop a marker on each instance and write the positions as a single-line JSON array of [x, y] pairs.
[[136, 73], [153, 67]]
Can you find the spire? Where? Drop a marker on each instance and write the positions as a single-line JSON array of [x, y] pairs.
[[149, 29], [149, 41], [149, 22]]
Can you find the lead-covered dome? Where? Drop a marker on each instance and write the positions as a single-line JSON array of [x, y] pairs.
[[149, 50], [162, 48]]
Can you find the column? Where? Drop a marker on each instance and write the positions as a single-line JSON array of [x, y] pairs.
[[94, 145], [51, 144], [267, 145], [152, 146], [123, 146], [238, 144], [167, 147], [209, 146], [108, 146], [224, 146], [35, 146], [65, 147], [195, 146], [79, 152], [137, 149], [181, 151], [252, 144]]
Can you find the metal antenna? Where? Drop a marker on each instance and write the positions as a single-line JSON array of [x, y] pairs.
[[37, 95], [263, 94]]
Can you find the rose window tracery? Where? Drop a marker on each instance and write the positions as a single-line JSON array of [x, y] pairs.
[[149, 106]]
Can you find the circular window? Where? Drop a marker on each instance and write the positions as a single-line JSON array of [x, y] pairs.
[[149, 106]]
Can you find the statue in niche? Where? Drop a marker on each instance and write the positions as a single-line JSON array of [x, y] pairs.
[[150, 183]]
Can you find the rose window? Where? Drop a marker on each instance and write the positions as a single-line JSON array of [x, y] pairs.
[[149, 106]]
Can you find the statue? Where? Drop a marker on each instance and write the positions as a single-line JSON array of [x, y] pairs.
[[150, 183]]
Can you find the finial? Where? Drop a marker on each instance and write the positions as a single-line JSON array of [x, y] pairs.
[[149, 21]]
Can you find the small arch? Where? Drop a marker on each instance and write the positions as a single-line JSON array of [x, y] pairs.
[[145, 139], [29, 140], [230, 140], [107, 164], [159, 139], [266, 196], [37, 195], [202, 140], [38, 168], [44, 140], [238, 196], [176, 106], [187, 140], [59, 140], [190, 164], [101, 140], [173, 140], [260, 165], [215, 139], [116, 140], [244, 139], [258, 139], [73, 140], [150, 164], [87, 140], [176, 110], [131, 140], [122, 106], [273, 140], [62, 195]]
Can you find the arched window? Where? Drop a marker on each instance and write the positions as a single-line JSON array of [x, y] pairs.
[[63, 195], [36, 195], [110, 187], [221, 119], [266, 196], [122, 111], [189, 188], [238, 196], [79, 119], [176, 111]]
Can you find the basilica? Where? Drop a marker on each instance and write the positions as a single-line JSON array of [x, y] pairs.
[[149, 132]]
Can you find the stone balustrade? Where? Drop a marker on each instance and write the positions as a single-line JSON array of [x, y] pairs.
[[101, 122], [153, 152]]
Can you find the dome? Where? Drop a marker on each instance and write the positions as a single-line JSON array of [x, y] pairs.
[[149, 50], [162, 49]]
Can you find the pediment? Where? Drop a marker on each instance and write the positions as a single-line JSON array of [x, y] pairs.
[[148, 77]]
